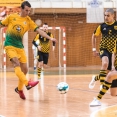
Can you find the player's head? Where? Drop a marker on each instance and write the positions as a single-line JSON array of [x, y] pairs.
[[25, 8], [109, 15], [45, 27]]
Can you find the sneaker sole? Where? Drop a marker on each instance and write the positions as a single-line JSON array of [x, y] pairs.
[[94, 105]]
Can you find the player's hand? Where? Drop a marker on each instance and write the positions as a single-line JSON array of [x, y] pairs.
[[53, 39], [113, 68], [53, 48], [95, 53], [39, 48]]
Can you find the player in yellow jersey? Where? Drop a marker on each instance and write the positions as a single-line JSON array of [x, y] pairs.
[[17, 25], [43, 49], [108, 32], [110, 82]]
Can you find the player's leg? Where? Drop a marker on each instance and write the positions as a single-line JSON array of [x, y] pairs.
[[15, 56], [101, 76], [35, 54], [19, 89], [45, 59], [106, 65], [35, 58], [40, 64], [113, 89], [106, 85]]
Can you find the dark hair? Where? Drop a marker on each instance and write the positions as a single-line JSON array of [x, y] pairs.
[[110, 10], [45, 24], [25, 3]]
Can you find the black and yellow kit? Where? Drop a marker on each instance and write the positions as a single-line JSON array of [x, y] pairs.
[[45, 47], [108, 38], [109, 35], [44, 43]]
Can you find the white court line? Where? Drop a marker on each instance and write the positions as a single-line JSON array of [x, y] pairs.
[[95, 112]]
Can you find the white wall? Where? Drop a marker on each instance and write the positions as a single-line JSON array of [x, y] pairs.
[[67, 3]]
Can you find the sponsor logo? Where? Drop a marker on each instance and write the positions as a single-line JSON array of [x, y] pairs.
[[101, 52], [115, 27], [94, 3]]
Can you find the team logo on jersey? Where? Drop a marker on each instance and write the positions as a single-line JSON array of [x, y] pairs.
[[101, 52], [115, 27], [25, 23], [104, 28], [18, 28], [41, 37], [14, 19]]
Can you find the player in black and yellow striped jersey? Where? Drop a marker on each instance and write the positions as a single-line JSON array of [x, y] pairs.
[[43, 49], [17, 25], [108, 32], [110, 81]]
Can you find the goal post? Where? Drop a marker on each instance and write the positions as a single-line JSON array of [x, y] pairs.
[[62, 33]]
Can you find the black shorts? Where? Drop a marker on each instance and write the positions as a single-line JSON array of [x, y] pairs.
[[104, 52], [114, 84], [43, 57]]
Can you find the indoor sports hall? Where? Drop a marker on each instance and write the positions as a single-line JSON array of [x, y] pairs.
[[72, 23]]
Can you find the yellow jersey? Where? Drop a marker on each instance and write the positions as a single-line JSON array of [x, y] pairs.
[[17, 26]]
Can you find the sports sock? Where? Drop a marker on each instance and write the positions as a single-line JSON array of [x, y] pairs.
[[39, 72], [102, 76], [106, 85], [21, 75]]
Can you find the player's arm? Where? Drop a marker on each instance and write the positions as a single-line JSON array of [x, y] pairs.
[[43, 34], [113, 57], [39, 31], [5, 22], [35, 39], [113, 61], [35, 44], [96, 34], [53, 43]]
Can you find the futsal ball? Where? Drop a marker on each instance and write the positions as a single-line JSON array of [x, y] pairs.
[[63, 87]]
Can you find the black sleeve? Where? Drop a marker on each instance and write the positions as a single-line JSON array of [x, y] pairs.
[[34, 43], [54, 43]]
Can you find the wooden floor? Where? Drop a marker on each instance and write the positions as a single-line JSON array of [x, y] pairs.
[[45, 101]]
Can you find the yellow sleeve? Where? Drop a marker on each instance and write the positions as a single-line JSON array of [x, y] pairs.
[[51, 35], [33, 26], [36, 38], [97, 32], [5, 22]]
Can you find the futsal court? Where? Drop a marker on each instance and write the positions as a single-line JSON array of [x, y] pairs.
[[45, 100]]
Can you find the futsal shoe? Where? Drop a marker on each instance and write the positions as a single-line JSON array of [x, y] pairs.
[[92, 83], [31, 84], [20, 92], [94, 103]]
